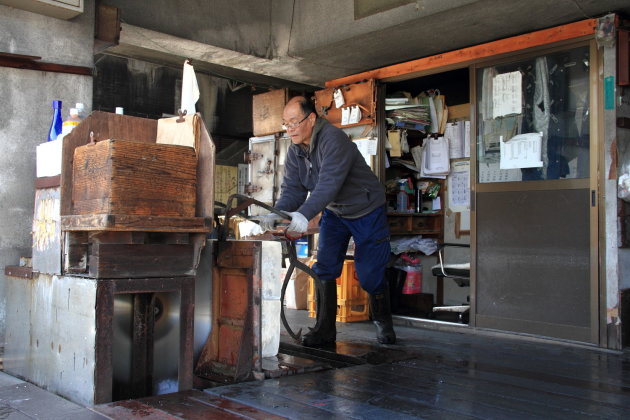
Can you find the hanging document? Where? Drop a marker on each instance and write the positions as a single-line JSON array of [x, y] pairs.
[[521, 151], [507, 95]]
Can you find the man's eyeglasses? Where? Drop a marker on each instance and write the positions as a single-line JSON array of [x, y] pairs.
[[291, 126]]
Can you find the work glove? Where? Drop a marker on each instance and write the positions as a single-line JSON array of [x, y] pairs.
[[269, 221], [298, 224]]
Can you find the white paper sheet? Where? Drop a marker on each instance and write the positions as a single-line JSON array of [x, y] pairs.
[[466, 138], [521, 151], [454, 132], [464, 221], [367, 147], [507, 94], [437, 204]]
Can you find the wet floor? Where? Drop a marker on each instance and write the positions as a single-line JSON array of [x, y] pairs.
[[428, 374]]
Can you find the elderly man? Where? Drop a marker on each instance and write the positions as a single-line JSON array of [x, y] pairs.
[[322, 161]]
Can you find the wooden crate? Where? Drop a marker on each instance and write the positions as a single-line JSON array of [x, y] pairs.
[[106, 254], [267, 111], [134, 178]]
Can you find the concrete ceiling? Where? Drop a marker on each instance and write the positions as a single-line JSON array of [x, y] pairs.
[[293, 44]]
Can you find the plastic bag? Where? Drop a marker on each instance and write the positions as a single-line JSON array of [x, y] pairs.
[[402, 244]]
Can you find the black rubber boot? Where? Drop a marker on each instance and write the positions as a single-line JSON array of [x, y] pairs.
[[325, 331], [382, 317]]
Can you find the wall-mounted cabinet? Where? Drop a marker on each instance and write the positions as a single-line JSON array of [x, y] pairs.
[[60, 9]]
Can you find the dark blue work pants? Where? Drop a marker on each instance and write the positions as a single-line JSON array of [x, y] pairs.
[[371, 247]]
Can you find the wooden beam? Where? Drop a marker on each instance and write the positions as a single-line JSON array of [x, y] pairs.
[[477, 52], [30, 63], [131, 222], [48, 181]]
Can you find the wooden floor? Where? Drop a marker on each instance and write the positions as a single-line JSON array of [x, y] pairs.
[[428, 374]]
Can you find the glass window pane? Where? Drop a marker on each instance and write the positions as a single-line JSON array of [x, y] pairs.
[[537, 112]]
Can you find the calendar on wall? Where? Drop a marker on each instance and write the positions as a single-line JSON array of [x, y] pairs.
[[459, 186]]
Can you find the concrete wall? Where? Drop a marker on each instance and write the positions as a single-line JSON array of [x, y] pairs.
[[51, 334], [25, 115]]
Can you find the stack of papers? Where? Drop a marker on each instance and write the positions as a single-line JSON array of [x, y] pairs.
[[413, 117]]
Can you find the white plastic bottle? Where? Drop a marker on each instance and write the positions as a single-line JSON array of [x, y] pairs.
[[72, 121], [80, 109]]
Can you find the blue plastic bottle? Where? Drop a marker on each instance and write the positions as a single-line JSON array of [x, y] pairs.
[[57, 122]]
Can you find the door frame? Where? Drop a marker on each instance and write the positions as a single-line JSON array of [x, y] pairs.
[[593, 183]]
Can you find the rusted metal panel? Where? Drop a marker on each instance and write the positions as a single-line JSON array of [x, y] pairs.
[[234, 293], [18, 271], [231, 349], [236, 254]]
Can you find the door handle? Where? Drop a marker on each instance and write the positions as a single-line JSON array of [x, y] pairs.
[[593, 198]]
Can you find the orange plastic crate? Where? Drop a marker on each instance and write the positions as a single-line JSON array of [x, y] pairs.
[[352, 301]]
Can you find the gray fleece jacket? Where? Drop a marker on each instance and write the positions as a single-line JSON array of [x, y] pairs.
[[334, 172]]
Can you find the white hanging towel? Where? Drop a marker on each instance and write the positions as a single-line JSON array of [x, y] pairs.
[[190, 89]]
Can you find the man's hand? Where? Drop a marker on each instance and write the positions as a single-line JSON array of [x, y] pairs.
[[298, 224], [269, 221]]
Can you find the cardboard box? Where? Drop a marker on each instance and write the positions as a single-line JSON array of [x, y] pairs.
[[134, 178]]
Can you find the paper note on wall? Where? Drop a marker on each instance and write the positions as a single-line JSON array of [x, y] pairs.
[[466, 138], [367, 148], [507, 94], [521, 151], [455, 134]]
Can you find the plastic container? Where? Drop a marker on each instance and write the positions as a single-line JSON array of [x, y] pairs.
[[81, 109], [72, 121], [301, 246], [402, 200], [57, 122], [413, 281]]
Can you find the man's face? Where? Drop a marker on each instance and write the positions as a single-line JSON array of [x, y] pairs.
[[299, 126]]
